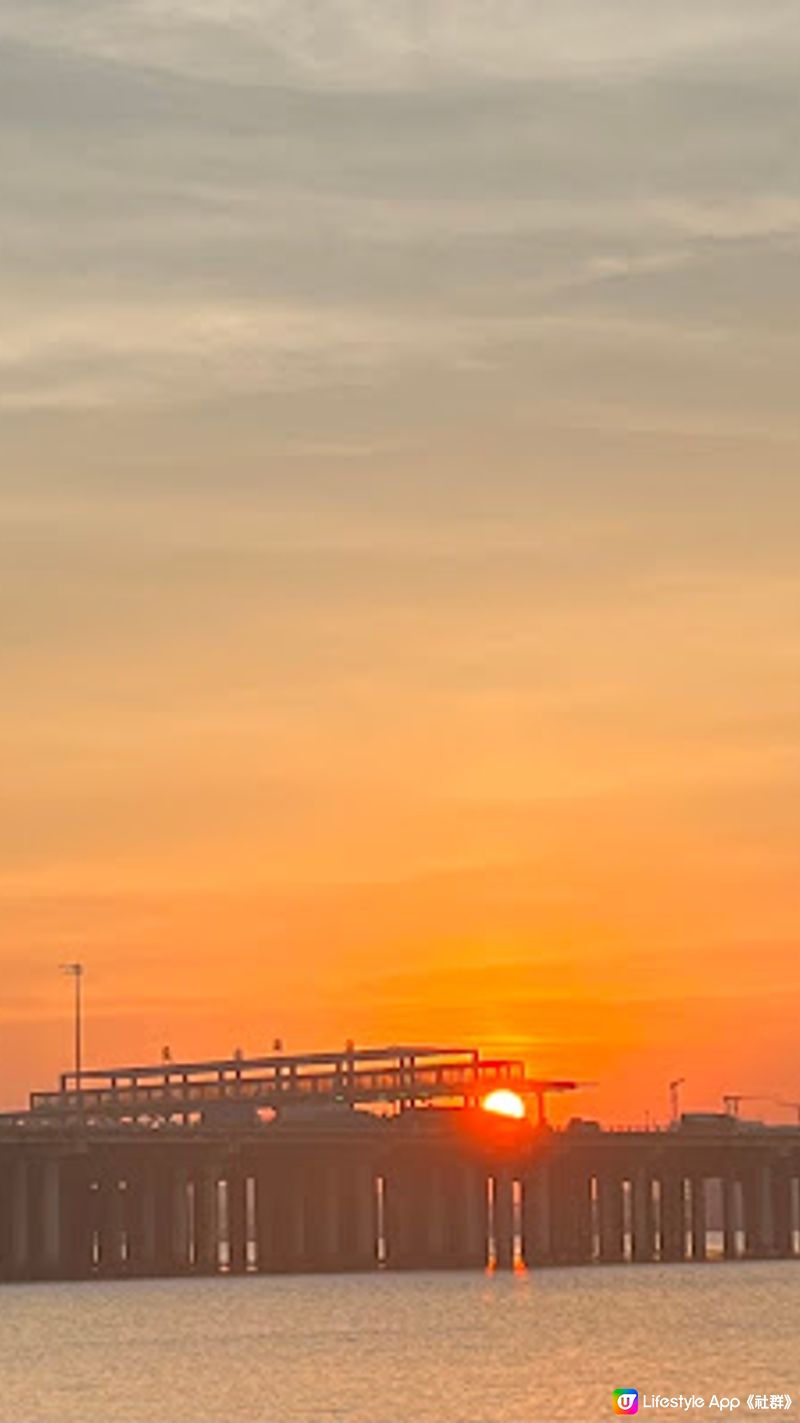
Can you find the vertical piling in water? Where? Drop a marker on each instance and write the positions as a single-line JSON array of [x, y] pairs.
[[235, 1188], [731, 1216], [611, 1217], [536, 1233], [782, 1195], [20, 1221], [673, 1220], [643, 1241], [699, 1223], [503, 1218]]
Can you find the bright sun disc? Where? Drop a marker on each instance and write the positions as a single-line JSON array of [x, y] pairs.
[[504, 1103]]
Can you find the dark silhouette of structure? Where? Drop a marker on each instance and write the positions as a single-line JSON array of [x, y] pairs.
[[167, 1171]]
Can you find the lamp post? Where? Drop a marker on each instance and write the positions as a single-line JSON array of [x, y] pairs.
[[674, 1101], [75, 972]]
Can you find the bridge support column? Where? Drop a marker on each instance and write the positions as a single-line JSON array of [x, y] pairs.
[[611, 1219], [51, 1218], [132, 1222], [644, 1234], [279, 1219], [117, 1204], [672, 1218], [757, 1196], [339, 1217], [40, 1221], [236, 1218], [164, 1235], [129, 1222], [206, 1221], [537, 1243], [180, 1220], [264, 1221], [571, 1216], [149, 1229], [503, 1219], [77, 1220], [472, 1224], [311, 1185], [731, 1216], [109, 1204], [699, 1221], [782, 1212], [325, 1232], [20, 1220], [35, 1213], [406, 1211], [439, 1217], [353, 1214], [5, 1219]]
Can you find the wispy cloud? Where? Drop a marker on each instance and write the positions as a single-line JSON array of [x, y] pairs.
[[315, 43]]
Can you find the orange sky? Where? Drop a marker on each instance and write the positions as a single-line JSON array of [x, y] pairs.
[[398, 542]]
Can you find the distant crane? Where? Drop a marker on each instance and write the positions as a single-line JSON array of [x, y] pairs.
[[674, 1100]]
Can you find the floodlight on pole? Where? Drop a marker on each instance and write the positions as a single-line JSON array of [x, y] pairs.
[[674, 1088], [75, 972]]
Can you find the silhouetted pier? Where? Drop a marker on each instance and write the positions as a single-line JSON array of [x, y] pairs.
[[91, 1189]]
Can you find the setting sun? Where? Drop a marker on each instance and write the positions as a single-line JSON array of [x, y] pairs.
[[504, 1103]]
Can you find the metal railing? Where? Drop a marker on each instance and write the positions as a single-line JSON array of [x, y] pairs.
[[398, 1075]]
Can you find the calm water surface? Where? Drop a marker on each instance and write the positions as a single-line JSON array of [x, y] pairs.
[[419, 1348]]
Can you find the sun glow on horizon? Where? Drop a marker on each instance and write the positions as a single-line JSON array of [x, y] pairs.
[[504, 1103]]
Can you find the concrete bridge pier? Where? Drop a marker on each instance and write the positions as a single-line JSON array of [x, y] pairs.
[[757, 1207], [305, 1208], [108, 1209], [405, 1215], [33, 1239], [537, 1244], [358, 1225], [643, 1221], [34, 1214], [264, 1220], [471, 1223], [129, 1220], [20, 1219], [325, 1231], [443, 1204], [699, 1218], [502, 1198], [331, 1216], [133, 1222], [163, 1245], [205, 1221], [731, 1216], [611, 1218], [280, 1219], [67, 1219], [148, 1231], [783, 1211], [5, 1219], [52, 1221], [235, 1190], [571, 1213], [561, 1232], [181, 1220], [672, 1224]]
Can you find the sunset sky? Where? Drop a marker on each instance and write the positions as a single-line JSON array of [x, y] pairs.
[[399, 515]]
